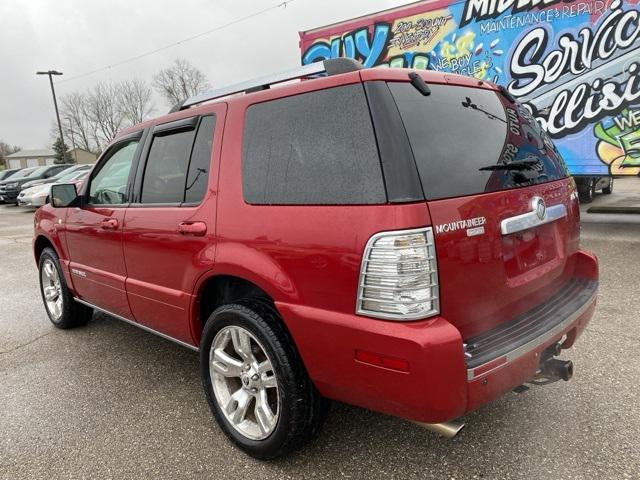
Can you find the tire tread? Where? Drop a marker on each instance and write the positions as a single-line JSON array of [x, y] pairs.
[[74, 314], [308, 408]]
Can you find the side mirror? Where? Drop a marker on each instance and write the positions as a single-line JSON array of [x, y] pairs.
[[63, 195]]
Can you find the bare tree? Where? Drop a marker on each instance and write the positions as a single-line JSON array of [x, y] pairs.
[[92, 119], [135, 101], [6, 149], [77, 128], [103, 112], [180, 81]]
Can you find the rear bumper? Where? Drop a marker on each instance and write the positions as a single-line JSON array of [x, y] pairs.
[[528, 331], [439, 384]]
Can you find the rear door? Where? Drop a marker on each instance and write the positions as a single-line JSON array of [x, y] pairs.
[[94, 231], [169, 233], [503, 210]]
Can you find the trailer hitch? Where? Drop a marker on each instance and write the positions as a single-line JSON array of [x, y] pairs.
[[552, 369]]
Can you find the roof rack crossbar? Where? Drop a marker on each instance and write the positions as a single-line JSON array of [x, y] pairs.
[[332, 66]]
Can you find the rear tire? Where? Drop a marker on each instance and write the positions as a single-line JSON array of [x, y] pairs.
[[230, 377], [63, 311], [609, 188]]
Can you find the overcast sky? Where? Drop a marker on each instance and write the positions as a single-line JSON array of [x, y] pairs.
[[78, 36]]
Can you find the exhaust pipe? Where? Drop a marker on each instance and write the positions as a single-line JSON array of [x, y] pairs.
[[446, 429], [555, 369]]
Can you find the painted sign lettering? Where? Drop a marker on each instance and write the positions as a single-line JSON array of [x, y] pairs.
[[574, 64]]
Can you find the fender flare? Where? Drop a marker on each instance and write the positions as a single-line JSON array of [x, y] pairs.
[[256, 268]]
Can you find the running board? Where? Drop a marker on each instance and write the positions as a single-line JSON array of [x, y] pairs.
[[139, 325]]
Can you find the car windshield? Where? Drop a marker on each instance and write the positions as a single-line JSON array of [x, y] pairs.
[[38, 171], [69, 176], [24, 173], [70, 170]]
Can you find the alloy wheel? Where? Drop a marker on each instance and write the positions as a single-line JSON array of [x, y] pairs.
[[51, 289], [244, 382]]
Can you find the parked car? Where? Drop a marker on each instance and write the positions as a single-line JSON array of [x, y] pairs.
[[402, 241], [20, 175], [39, 195], [4, 174], [13, 186], [588, 186], [55, 178]]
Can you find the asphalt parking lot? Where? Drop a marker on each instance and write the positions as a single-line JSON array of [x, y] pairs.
[[111, 401]]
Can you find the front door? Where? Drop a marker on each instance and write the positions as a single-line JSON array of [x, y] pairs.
[[94, 232], [169, 232]]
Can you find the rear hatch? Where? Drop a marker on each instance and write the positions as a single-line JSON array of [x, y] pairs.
[[483, 160]]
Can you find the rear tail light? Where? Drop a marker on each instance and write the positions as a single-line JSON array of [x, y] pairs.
[[399, 276]]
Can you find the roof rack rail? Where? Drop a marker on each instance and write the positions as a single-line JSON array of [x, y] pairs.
[[332, 66]]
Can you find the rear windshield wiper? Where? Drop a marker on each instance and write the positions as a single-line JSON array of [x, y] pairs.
[[516, 165]]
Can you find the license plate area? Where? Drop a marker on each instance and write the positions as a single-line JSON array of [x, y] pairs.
[[527, 250]]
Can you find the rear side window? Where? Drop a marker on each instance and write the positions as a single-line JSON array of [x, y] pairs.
[[178, 163], [200, 164], [316, 148], [166, 170], [456, 131]]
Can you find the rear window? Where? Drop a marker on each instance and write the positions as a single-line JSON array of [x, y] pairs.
[[456, 131], [315, 148]]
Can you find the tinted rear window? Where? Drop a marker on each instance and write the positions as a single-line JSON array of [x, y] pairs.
[[314, 148], [455, 131]]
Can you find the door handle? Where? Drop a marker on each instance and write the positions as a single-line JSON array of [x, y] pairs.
[[197, 229], [109, 224]]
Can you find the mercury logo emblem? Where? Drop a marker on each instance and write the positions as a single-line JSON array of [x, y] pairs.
[[538, 206]]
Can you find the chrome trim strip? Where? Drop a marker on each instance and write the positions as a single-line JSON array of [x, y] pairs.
[[142, 327], [536, 342], [530, 219]]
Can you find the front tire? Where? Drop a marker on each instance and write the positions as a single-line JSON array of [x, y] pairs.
[[255, 382], [63, 311]]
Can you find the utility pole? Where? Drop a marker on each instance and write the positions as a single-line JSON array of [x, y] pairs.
[[50, 73]]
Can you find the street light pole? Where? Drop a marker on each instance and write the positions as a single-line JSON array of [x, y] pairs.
[[73, 141], [50, 73]]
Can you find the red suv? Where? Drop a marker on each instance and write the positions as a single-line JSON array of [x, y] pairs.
[[405, 242]]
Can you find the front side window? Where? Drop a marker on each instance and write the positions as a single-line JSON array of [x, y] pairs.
[[109, 184]]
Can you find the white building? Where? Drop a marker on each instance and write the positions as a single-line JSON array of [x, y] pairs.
[[30, 158], [38, 158]]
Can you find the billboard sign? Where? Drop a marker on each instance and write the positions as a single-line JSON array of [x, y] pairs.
[[575, 64]]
